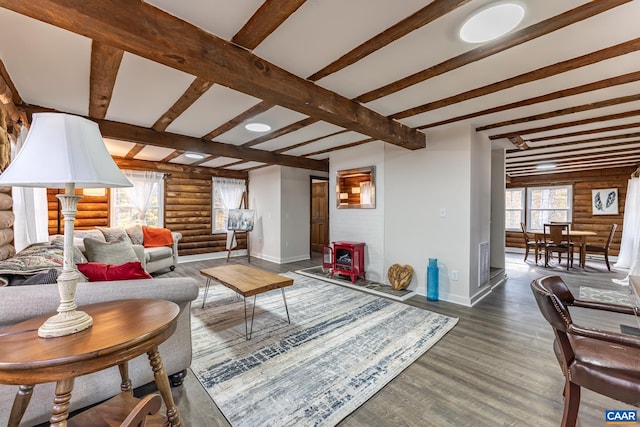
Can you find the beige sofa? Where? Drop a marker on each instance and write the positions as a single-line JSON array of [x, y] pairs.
[[152, 259], [18, 303]]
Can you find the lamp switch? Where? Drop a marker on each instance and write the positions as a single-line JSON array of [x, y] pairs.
[[454, 274], [443, 212]]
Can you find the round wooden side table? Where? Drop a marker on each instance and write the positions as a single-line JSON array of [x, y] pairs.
[[121, 331]]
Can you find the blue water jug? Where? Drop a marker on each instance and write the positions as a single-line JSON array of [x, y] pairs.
[[432, 280]]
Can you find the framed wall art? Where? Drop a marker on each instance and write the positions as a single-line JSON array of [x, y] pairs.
[[605, 201]]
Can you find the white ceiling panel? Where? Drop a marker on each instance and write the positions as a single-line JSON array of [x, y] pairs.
[[118, 148], [153, 153], [145, 90], [214, 108], [246, 165], [276, 117], [330, 142], [219, 161], [316, 130]]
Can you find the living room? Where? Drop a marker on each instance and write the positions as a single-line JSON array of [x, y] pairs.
[[443, 200]]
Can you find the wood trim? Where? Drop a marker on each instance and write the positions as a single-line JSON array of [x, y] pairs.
[[264, 21], [259, 108], [105, 63], [196, 89], [531, 76], [434, 10], [282, 131], [562, 112], [134, 151], [151, 33], [601, 84], [491, 48], [176, 153], [567, 124]]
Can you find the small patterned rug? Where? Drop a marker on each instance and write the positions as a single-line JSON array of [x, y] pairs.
[[612, 296], [341, 347]]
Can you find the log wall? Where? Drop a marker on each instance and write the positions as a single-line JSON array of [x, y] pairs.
[[187, 206], [7, 249], [583, 219]]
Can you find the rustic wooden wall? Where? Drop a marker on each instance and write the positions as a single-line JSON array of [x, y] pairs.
[[187, 207], [583, 219], [6, 202]]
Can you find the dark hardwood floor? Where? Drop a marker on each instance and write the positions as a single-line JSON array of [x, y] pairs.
[[495, 368]]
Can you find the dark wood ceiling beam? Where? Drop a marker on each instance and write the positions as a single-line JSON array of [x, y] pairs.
[[532, 172], [282, 131], [151, 33], [491, 48], [603, 160], [145, 136], [303, 143], [576, 90], [259, 108], [132, 164], [434, 10], [622, 150], [539, 74], [567, 124], [264, 21], [519, 142], [196, 89], [137, 148], [562, 112], [176, 153], [341, 147], [582, 141], [105, 63], [586, 132]]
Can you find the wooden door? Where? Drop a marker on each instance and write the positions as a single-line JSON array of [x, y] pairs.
[[319, 215]]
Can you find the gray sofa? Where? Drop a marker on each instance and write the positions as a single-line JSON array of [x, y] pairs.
[[18, 303]]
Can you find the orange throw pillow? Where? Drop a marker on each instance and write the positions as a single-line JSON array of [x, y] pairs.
[[154, 237]]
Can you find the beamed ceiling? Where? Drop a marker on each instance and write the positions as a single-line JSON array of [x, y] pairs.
[[164, 77]]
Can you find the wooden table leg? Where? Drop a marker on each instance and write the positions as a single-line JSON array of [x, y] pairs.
[[20, 403], [61, 403], [125, 381], [162, 382]]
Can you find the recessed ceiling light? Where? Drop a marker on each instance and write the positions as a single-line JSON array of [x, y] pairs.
[[492, 22], [257, 127], [546, 166], [196, 156]]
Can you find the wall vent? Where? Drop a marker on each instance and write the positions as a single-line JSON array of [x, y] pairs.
[[483, 264]]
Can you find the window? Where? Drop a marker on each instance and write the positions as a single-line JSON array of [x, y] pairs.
[[514, 205], [141, 204], [226, 194], [546, 204]]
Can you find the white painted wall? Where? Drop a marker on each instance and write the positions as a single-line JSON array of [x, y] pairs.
[[264, 197], [360, 225], [498, 184], [281, 197]]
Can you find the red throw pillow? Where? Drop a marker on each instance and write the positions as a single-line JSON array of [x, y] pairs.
[[154, 237], [98, 272]]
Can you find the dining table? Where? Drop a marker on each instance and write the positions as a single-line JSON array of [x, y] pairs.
[[577, 237]]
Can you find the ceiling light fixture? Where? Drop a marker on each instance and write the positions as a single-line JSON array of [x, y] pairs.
[[546, 166], [492, 22], [257, 127], [195, 156]]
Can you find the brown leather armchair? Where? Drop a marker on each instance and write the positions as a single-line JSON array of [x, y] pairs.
[[602, 361]]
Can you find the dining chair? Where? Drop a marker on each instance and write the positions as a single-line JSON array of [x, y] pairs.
[[557, 239], [604, 249], [531, 243], [138, 416], [602, 361]]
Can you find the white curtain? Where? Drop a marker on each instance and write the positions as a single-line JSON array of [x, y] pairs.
[[630, 244], [365, 193], [30, 209], [230, 191], [144, 182]]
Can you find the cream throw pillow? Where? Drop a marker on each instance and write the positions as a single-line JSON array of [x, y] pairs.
[[116, 252]]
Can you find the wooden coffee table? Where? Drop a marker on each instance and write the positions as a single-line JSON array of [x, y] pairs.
[[246, 281]]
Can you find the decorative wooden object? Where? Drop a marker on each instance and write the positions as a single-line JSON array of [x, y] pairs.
[[122, 330], [400, 276]]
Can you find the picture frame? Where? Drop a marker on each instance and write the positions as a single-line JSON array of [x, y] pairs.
[[241, 219], [604, 201]]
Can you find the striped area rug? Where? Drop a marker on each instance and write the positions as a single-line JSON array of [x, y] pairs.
[[341, 347]]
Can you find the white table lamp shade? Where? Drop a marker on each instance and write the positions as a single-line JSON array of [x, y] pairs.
[[61, 149]]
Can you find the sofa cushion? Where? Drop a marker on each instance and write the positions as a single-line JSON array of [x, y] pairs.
[[100, 272], [117, 252], [114, 234], [135, 234], [154, 237], [161, 252]]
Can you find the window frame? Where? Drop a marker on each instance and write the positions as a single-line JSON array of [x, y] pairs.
[[522, 210], [214, 209], [569, 208], [113, 206]]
